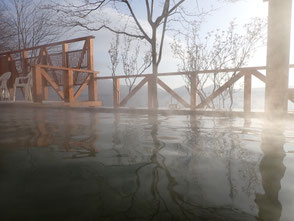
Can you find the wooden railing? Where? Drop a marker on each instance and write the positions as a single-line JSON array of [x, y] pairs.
[[18, 62], [40, 74], [246, 72]]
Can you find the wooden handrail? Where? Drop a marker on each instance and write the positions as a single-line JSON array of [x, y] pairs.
[[47, 45], [65, 69], [245, 69], [53, 54]]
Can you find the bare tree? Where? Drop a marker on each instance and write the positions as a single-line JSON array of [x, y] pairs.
[[127, 52], [158, 15], [29, 23], [6, 33], [132, 62], [114, 54], [218, 50]]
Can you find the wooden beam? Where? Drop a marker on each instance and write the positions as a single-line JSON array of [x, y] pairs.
[[81, 104], [277, 60], [172, 93], [150, 94], [259, 75], [68, 86], [220, 90], [216, 71], [63, 68], [133, 92], [49, 45], [116, 92], [37, 84], [64, 55], [52, 83], [40, 56], [82, 87], [81, 58], [44, 59], [193, 91], [92, 86], [51, 64], [52, 54], [247, 92], [24, 60]]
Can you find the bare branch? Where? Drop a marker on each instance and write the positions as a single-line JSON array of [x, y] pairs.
[[136, 21]]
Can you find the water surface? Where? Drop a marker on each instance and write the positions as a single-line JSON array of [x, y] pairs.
[[75, 165]]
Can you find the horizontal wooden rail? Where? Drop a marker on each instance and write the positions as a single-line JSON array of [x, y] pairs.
[[53, 54], [65, 69], [48, 45], [245, 69]]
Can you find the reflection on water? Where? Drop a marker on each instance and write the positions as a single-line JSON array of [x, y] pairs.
[[272, 171], [73, 165]]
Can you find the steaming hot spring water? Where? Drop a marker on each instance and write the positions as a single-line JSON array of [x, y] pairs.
[[58, 164]]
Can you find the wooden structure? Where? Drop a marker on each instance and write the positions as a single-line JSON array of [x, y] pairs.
[[246, 73], [278, 53], [54, 65]]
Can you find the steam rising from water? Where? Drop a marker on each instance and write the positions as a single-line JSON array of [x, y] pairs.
[[61, 164]]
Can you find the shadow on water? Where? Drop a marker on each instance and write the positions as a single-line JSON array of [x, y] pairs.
[[67, 165]]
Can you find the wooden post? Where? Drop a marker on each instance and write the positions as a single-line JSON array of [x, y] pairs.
[[193, 92], [65, 73], [44, 82], [24, 62], [247, 92], [14, 74], [116, 92], [68, 89], [150, 94], [64, 55], [92, 86], [37, 84], [278, 51]]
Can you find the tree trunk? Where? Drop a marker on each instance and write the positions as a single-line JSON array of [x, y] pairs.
[[154, 71], [154, 86]]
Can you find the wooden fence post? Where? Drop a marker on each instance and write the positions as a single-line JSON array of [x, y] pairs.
[[24, 62], [150, 95], [92, 86], [193, 91], [37, 84], [44, 60], [65, 73], [247, 92], [68, 86], [116, 92]]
